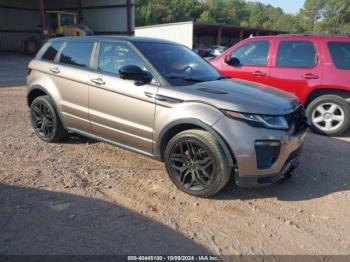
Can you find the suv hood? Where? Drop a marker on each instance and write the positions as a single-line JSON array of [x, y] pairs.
[[236, 95]]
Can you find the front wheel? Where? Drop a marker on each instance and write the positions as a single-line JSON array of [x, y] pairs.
[[329, 115], [196, 163]]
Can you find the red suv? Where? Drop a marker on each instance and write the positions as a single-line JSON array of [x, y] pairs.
[[314, 68]]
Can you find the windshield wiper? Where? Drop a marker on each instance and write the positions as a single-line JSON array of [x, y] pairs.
[[190, 79], [221, 78]]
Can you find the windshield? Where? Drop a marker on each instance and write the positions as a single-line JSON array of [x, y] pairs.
[[67, 19], [178, 63]]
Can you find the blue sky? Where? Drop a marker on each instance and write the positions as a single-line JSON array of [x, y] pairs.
[[288, 6]]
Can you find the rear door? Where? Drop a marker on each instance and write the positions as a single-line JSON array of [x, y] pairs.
[[337, 63], [253, 57], [120, 110], [67, 68], [297, 66]]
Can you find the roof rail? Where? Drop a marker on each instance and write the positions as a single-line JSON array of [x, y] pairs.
[[313, 34]]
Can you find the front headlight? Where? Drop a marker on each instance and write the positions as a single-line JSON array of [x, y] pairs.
[[274, 122]]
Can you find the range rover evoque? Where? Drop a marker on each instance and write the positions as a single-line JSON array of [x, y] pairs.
[[160, 99]]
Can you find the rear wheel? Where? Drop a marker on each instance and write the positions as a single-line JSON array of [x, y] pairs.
[[196, 163], [45, 120], [329, 115]]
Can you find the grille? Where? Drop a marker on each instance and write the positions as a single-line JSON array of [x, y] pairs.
[[297, 120]]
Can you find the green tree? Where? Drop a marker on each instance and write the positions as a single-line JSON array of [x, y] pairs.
[[319, 16]]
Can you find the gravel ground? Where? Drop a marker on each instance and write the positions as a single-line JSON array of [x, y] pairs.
[[87, 197]]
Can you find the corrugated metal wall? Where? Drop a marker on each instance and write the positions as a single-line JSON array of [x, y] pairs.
[[18, 23], [178, 32], [116, 17]]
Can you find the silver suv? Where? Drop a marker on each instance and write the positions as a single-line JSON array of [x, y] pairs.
[[162, 100]]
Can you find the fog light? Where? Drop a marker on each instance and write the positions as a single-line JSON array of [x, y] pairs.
[[267, 152]]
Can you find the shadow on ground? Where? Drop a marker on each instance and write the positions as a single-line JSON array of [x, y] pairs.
[[324, 169], [42, 222]]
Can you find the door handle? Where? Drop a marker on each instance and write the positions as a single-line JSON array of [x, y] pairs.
[[98, 81], [55, 70], [259, 73], [311, 76], [150, 95]]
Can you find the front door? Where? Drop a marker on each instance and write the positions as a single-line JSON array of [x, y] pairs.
[[120, 109], [253, 62]]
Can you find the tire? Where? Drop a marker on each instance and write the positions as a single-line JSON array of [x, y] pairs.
[[45, 121], [208, 164], [336, 111]]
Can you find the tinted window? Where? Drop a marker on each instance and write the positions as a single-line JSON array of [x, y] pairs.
[[52, 51], [297, 54], [253, 53], [340, 52], [113, 56], [180, 65], [77, 54]]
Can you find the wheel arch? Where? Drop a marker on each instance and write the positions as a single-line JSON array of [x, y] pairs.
[[326, 91], [181, 125]]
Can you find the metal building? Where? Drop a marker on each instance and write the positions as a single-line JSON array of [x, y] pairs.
[[19, 19], [194, 34]]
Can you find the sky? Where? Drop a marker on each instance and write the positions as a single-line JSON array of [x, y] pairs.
[[288, 6]]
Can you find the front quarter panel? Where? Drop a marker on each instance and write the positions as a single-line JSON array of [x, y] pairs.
[[195, 113]]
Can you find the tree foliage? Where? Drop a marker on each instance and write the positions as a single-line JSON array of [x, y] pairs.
[[319, 16]]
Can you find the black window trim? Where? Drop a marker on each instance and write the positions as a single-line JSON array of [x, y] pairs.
[[254, 41], [298, 67], [95, 59]]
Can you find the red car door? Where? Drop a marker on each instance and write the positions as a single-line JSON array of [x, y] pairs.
[[296, 67], [252, 58]]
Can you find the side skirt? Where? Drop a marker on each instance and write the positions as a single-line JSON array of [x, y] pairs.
[[102, 139]]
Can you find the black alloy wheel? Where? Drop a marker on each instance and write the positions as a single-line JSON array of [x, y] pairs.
[[197, 164], [192, 164], [45, 120], [42, 118]]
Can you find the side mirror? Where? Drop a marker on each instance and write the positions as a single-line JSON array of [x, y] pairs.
[[233, 61], [133, 72]]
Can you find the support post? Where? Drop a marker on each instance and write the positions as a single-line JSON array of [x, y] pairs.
[[241, 35], [219, 36], [129, 16], [43, 19], [80, 13]]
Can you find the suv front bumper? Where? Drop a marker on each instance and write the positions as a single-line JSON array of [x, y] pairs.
[[242, 139]]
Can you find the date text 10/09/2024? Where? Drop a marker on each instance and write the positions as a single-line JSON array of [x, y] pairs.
[[173, 258]]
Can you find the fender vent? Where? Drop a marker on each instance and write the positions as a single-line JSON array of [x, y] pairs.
[[213, 91]]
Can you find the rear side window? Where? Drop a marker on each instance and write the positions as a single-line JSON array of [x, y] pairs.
[[296, 54], [77, 54], [340, 52], [254, 53], [113, 56], [52, 51]]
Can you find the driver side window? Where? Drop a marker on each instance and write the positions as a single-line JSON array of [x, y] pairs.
[[254, 53], [113, 56]]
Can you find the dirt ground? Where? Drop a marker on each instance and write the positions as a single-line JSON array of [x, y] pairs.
[[87, 197]]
